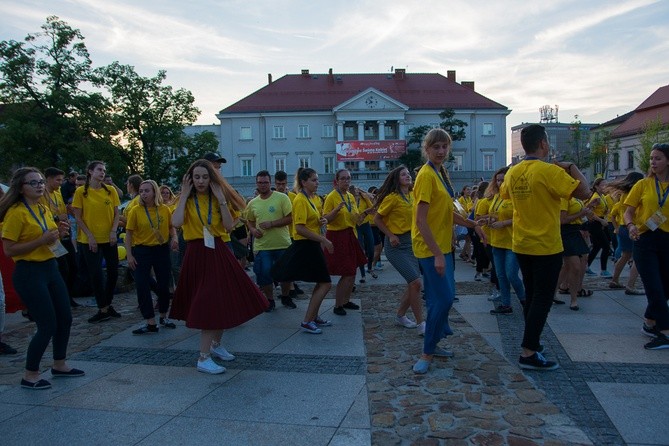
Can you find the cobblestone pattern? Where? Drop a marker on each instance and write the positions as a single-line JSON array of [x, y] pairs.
[[477, 397], [340, 365]]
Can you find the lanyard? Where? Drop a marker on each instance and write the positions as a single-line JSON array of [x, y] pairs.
[[197, 208], [408, 200], [310, 203], [494, 208], [348, 206], [41, 224], [157, 219], [446, 184], [54, 201], [661, 198]]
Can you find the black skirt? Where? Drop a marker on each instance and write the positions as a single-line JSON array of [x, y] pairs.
[[573, 242], [302, 261]]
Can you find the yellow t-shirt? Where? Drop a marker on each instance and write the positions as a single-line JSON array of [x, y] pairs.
[[274, 207], [618, 210], [604, 207], [54, 201], [306, 211], [347, 216], [97, 211], [573, 206], [645, 198], [20, 226], [133, 203], [466, 203], [396, 212], [535, 189], [143, 229], [429, 189], [364, 204], [482, 208], [194, 222], [502, 210]]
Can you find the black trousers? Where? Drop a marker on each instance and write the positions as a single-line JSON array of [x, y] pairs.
[[104, 292]]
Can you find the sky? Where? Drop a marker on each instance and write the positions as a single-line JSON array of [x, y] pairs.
[[595, 60]]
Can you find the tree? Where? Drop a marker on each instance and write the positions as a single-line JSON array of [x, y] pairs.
[[653, 132], [48, 115], [149, 116], [455, 127], [193, 148], [601, 151], [578, 153]]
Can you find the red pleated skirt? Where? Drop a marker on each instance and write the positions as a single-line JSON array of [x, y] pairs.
[[12, 300], [214, 292], [347, 255]]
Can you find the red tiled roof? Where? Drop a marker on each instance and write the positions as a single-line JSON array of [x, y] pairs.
[[319, 92], [656, 106]]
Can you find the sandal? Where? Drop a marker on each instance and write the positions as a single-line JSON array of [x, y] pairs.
[[584, 293], [574, 307], [374, 275], [563, 290]]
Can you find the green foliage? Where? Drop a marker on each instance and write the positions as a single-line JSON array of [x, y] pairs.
[[653, 132], [601, 152], [194, 148], [412, 159], [454, 127], [578, 151], [415, 136]]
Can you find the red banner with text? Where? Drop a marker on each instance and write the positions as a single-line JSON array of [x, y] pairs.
[[390, 149]]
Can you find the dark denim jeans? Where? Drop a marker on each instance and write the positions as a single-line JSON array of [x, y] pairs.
[[651, 255], [104, 293], [158, 259]]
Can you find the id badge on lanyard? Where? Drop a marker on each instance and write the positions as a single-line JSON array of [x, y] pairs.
[[58, 249], [209, 241]]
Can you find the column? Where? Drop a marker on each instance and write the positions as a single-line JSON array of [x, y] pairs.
[[340, 137], [402, 130], [361, 137], [382, 136]]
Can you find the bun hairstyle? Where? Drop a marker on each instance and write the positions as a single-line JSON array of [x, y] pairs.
[[303, 174]]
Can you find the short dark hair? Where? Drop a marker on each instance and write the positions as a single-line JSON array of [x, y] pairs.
[[531, 137], [263, 173], [280, 175], [51, 172]]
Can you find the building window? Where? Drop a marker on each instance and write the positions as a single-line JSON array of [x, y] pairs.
[[457, 164], [329, 164], [371, 131], [247, 167], [351, 166], [488, 161], [245, 133], [328, 131], [390, 132], [391, 164], [279, 163], [303, 131], [488, 129], [371, 165], [350, 131], [630, 159], [278, 132], [616, 161], [304, 161]]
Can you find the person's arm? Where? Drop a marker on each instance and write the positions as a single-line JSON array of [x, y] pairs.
[[303, 231], [180, 211], [424, 228], [394, 240], [628, 219], [92, 243], [333, 213], [226, 217], [132, 263], [112, 234], [13, 248], [582, 191], [462, 221], [279, 222]]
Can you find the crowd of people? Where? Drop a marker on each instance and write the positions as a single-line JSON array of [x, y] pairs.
[[535, 227]]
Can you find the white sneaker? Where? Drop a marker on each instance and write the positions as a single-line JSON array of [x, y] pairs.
[[221, 353], [405, 322], [421, 329], [209, 366]]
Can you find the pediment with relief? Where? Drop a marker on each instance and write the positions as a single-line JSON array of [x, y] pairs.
[[371, 99]]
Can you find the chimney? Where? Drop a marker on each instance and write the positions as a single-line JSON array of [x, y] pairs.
[[269, 78], [400, 73], [305, 73], [450, 74], [330, 76], [468, 84]]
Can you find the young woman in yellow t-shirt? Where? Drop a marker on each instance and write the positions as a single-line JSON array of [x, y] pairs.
[[213, 293], [31, 238], [149, 237], [431, 235], [342, 215], [364, 229], [303, 259], [95, 207], [599, 228], [647, 218], [394, 204]]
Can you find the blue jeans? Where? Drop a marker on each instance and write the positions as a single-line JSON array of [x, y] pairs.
[[262, 265], [507, 268], [651, 255], [366, 239], [439, 294]]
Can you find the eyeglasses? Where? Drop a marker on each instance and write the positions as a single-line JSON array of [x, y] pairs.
[[35, 183]]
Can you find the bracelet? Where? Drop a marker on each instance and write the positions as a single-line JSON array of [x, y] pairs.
[[628, 224]]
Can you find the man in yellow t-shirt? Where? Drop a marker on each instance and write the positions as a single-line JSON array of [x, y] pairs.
[[535, 188], [269, 219]]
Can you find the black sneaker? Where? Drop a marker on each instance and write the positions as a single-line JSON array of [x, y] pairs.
[[351, 306], [164, 322], [537, 362], [6, 349], [339, 311], [272, 306], [648, 330], [287, 301], [146, 330], [502, 309], [112, 312], [661, 342], [297, 289], [99, 317]]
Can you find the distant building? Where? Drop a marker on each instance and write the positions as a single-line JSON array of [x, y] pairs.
[[358, 121], [561, 136]]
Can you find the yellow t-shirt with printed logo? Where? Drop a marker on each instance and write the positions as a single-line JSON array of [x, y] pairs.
[[396, 212], [307, 212], [502, 210], [143, 229], [345, 218], [97, 211], [535, 188], [429, 189], [645, 199], [54, 201], [20, 226]]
